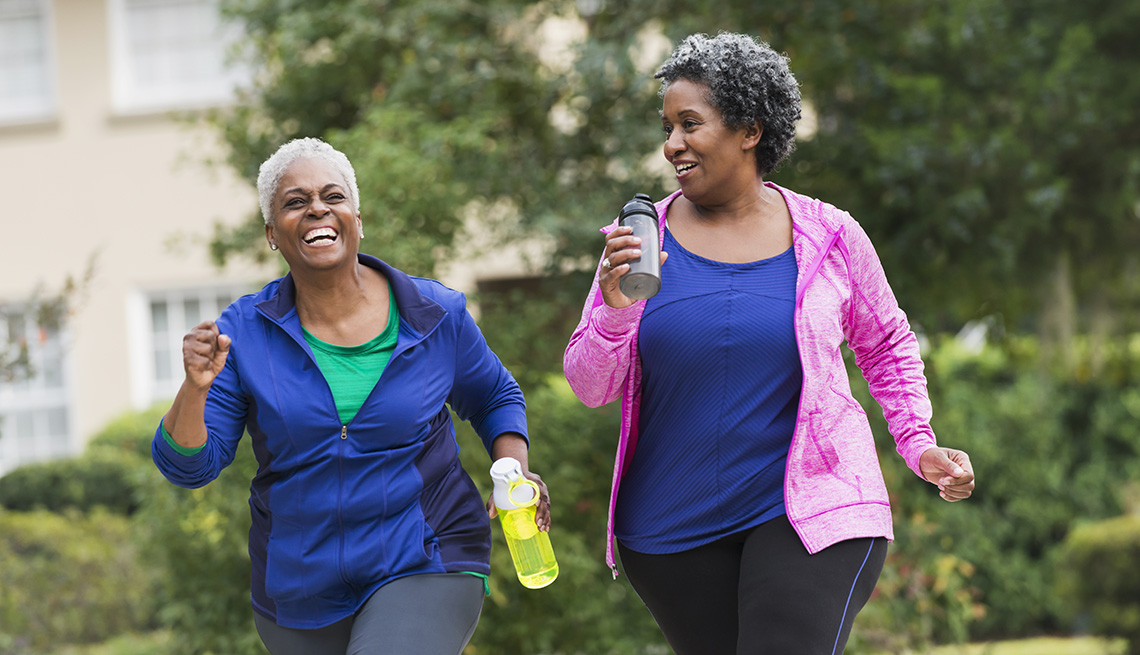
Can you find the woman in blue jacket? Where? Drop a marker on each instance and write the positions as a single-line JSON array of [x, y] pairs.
[[367, 534]]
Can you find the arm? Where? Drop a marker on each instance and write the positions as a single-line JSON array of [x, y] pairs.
[[887, 352], [598, 358], [486, 394], [203, 405]]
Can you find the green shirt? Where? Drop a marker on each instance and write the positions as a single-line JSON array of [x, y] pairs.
[[353, 371]]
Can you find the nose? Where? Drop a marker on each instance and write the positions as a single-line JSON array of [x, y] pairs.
[[673, 144], [317, 207]]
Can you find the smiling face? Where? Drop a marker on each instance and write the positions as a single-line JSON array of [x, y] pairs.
[[314, 222], [713, 161]]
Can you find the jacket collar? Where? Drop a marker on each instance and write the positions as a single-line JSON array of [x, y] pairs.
[[417, 311]]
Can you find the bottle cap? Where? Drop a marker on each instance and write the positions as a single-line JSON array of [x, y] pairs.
[[512, 490]]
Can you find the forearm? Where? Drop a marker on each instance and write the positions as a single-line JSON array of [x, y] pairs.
[[185, 422], [510, 444]]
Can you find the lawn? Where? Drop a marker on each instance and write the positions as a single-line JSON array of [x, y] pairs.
[[155, 644], [1039, 646]]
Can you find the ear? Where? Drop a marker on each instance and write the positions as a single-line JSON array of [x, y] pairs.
[[360, 225], [752, 134], [270, 238]]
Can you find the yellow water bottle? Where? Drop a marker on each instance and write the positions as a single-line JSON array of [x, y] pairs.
[[516, 498]]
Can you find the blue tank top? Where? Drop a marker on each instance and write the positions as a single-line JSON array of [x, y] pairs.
[[721, 379]]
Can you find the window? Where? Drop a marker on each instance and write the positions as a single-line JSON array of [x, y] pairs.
[[163, 318], [35, 421], [170, 54], [26, 66]]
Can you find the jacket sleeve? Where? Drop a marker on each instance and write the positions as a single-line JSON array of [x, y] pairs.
[[598, 358], [886, 349], [484, 392], [225, 416]]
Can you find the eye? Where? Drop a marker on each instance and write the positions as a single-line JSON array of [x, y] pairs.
[[335, 196], [689, 124], [293, 202], [667, 129]]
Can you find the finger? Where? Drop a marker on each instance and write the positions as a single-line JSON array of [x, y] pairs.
[[542, 512], [492, 510], [224, 342]]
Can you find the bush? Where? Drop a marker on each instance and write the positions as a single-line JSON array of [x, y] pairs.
[[197, 542], [82, 483], [68, 579], [129, 435], [585, 610], [1048, 450], [1100, 578], [104, 476]]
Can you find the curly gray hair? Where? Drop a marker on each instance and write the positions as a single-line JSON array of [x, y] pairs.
[[269, 175], [747, 81]]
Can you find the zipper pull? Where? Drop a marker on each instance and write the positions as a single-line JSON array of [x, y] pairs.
[[344, 432]]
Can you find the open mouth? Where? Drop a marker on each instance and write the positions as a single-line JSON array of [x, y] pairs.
[[685, 168], [320, 236]]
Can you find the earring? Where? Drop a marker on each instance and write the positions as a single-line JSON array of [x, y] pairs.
[[273, 246]]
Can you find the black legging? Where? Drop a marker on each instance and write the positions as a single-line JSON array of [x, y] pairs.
[[757, 592]]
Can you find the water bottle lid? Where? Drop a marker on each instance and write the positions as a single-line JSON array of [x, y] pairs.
[[641, 204], [512, 490]]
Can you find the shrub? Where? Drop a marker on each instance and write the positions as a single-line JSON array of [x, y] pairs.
[[197, 542], [68, 579], [1100, 578], [102, 479], [105, 475], [585, 610], [129, 435], [1048, 450]]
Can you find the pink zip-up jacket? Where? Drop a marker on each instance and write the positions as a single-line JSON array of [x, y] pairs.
[[833, 486]]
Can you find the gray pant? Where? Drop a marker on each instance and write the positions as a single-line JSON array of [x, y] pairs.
[[431, 614]]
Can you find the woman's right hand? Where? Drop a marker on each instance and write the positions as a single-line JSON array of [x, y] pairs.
[[204, 352], [621, 248]]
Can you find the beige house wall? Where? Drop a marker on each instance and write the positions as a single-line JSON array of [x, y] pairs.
[[130, 191]]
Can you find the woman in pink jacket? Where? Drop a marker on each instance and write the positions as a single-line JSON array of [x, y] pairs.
[[752, 515]]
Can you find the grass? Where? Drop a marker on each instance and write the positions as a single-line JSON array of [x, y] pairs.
[[156, 644], [152, 643], [1039, 646]]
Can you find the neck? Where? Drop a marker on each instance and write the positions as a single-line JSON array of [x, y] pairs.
[[755, 202], [328, 297]]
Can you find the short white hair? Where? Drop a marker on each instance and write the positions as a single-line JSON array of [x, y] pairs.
[[272, 169]]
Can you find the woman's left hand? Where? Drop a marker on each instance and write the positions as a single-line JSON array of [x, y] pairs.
[[542, 513], [949, 469], [512, 444]]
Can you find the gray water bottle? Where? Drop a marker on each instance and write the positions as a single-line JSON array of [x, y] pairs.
[[643, 280]]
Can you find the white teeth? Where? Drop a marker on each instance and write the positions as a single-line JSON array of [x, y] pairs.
[[320, 233], [685, 167]]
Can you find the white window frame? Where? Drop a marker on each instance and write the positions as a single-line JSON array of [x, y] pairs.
[[34, 395], [146, 388], [130, 96], [42, 108]]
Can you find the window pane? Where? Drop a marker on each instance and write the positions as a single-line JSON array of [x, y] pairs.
[[162, 371], [24, 75], [24, 424], [57, 421], [51, 369], [192, 313], [158, 318]]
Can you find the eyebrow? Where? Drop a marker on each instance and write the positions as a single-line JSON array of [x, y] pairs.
[[303, 192]]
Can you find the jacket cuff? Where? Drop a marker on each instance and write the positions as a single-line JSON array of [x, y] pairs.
[[616, 322]]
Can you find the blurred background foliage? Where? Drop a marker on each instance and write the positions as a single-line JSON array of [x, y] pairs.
[[990, 148]]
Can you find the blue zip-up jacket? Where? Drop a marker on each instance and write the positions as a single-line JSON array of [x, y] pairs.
[[339, 510]]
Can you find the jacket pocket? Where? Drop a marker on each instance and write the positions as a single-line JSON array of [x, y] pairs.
[[285, 575]]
